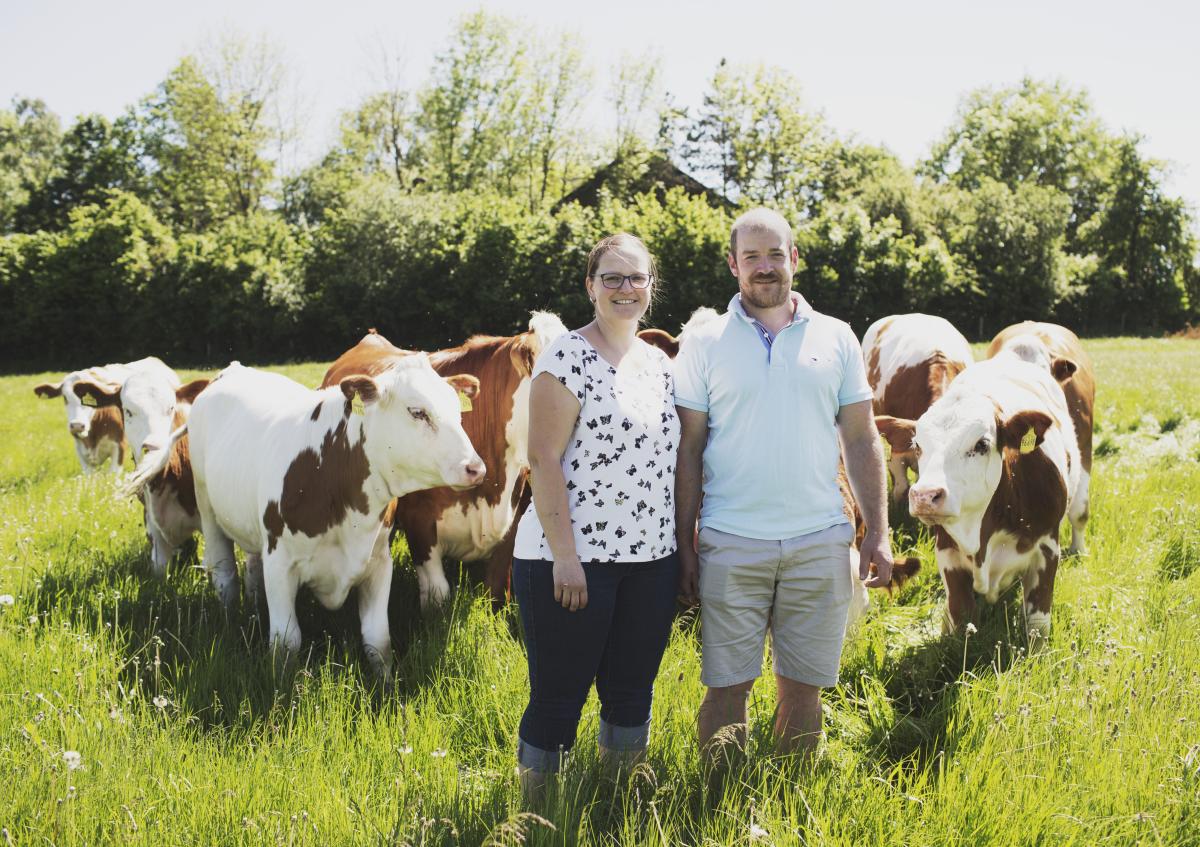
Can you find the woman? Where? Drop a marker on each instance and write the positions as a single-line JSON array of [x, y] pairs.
[[594, 570]]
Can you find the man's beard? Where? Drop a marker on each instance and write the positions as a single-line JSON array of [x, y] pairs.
[[761, 295]]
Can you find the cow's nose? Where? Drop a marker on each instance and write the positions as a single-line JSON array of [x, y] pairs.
[[475, 471], [76, 428], [926, 499]]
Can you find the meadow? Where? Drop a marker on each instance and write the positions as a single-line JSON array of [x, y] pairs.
[[133, 712]]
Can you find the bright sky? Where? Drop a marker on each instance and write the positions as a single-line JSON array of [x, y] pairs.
[[887, 72]]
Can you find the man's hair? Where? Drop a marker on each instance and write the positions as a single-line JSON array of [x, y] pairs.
[[759, 218]]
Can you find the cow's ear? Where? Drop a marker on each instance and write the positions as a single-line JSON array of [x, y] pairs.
[[95, 394], [187, 393], [48, 390], [464, 384], [361, 388], [1024, 431], [1063, 369], [897, 431]]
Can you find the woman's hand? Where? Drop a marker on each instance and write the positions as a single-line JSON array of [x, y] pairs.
[[570, 584]]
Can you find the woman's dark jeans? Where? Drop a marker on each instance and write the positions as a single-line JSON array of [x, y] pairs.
[[617, 640]]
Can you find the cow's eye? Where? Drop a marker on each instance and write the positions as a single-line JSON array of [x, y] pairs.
[[981, 447], [418, 414]]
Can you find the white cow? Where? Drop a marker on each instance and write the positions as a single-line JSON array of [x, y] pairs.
[[152, 409], [304, 479], [999, 465], [97, 430]]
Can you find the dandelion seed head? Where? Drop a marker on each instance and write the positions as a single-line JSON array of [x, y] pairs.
[[7, 600], [73, 759]]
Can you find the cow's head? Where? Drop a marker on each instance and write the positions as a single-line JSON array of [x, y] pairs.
[[960, 446], [412, 423], [82, 392], [1032, 349], [149, 403]]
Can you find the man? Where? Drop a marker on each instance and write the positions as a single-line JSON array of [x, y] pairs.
[[763, 394]]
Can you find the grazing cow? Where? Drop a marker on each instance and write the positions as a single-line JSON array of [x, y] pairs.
[[668, 343], [999, 464], [152, 408], [98, 431], [479, 524], [304, 479], [1058, 349], [911, 360]]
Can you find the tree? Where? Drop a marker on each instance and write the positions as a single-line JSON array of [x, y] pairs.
[[466, 116], [30, 135]]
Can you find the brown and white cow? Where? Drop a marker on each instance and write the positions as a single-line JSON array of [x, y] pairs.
[[999, 465], [98, 431], [668, 343], [1058, 349], [152, 409], [911, 361], [478, 524], [304, 479]]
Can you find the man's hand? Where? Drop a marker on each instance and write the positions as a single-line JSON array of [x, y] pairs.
[[689, 573], [875, 561]]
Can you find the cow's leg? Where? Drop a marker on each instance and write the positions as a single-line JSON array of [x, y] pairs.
[[960, 598], [432, 579], [118, 458], [255, 590], [1039, 592], [281, 582], [1079, 515], [898, 468], [81, 454], [373, 593], [499, 567], [219, 561]]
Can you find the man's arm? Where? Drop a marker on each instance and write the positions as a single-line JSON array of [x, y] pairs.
[[863, 455], [689, 471]]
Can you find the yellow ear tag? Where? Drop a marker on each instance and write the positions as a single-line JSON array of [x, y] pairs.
[[1029, 441], [356, 406], [464, 402], [89, 400], [887, 448]]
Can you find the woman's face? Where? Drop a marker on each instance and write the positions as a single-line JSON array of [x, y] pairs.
[[625, 303]]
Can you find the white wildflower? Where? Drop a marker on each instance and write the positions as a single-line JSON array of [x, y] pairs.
[[405, 750], [439, 754], [757, 833], [73, 759], [6, 600], [971, 629], [161, 702]]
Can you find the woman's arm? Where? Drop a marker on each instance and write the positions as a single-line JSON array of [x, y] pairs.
[[553, 411]]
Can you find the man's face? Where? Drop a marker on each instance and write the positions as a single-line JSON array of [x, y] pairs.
[[764, 266]]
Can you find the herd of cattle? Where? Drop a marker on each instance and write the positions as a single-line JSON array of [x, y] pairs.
[[311, 484]]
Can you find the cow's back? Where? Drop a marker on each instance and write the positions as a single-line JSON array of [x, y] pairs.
[[241, 430], [911, 360]]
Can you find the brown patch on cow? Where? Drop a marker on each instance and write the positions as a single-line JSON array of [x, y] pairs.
[[188, 393], [912, 390], [319, 488], [897, 432], [1079, 388], [361, 386], [661, 339], [960, 597], [316, 413], [107, 424], [176, 478], [499, 364], [101, 394], [1041, 595], [1011, 433], [873, 374], [1029, 502]]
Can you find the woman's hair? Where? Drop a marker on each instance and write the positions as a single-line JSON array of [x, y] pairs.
[[623, 240]]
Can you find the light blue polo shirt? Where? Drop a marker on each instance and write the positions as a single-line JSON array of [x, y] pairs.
[[771, 462]]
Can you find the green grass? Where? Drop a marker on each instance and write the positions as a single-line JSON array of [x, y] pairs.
[[186, 732]]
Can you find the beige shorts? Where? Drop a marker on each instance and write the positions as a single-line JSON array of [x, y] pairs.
[[799, 588]]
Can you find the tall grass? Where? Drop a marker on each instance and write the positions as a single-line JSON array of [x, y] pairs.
[[132, 711]]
